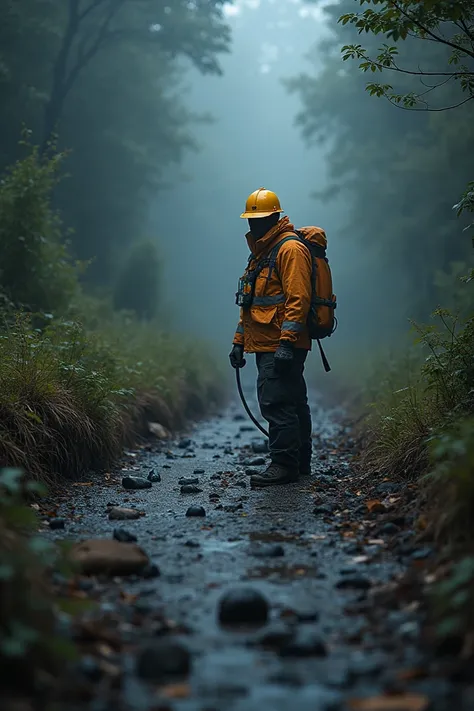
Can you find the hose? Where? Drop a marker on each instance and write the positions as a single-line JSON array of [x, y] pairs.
[[244, 403]]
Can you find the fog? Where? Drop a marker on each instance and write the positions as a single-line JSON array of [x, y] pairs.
[[253, 142]]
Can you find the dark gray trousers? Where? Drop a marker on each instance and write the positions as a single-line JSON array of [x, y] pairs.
[[283, 401]]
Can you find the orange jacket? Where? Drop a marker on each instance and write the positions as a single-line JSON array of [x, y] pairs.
[[281, 303]]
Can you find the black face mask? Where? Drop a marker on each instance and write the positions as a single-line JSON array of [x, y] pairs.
[[259, 226]]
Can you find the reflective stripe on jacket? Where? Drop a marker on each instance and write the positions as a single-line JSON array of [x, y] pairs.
[[281, 302]]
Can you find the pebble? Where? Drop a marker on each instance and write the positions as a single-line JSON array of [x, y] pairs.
[[199, 471], [195, 511], [274, 636], [162, 660], [57, 523], [324, 510], [135, 482], [275, 550], [354, 582], [243, 606], [190, 489], [184, 443], [185, 482], [307, 643], [150, 571], [232, 508], [124, 536], [153, 476], [255, 462], [192, 544], [388, 529], [327, 481], [260, 446], [120, 514]]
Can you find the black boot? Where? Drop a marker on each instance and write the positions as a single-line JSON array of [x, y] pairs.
[[275, 474]]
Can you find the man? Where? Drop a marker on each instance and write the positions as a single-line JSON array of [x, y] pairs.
[[275, 294]]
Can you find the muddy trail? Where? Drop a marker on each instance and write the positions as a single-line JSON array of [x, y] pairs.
[[281, 599]]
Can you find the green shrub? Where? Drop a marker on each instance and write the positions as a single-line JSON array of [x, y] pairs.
[[35, 269], [451, 481], [137, 287], [28, 646], [423, 394]]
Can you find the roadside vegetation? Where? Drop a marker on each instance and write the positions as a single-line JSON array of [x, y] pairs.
[[402, 162]]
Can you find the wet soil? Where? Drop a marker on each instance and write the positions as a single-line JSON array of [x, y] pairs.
[[326, 553]]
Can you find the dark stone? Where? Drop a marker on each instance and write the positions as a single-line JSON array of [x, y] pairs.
[[135, 482], [124, 536], [192, 544], [307, 643], [199, 471], [238, 418], [243, 606], [170, 455], [166, 466], [246, 428], [232, 508], [190, 489], [188, 482], [208, 445], [275, 636], [270, 551], [354, 582], [255, 462], [195, 511], [388, 529], [260, 446], [228, 450], [324, 510], [214, 477], [162, 660], [326, 481], [150, 571], [242, 483], [153, 476], [184, 444], [57, 523], [388, 487]]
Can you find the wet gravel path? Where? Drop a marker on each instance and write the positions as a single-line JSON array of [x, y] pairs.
[[329, 641]]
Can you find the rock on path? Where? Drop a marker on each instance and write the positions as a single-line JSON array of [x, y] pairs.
[[311, 559]]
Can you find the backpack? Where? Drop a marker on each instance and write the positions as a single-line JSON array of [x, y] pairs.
[[322, 321]]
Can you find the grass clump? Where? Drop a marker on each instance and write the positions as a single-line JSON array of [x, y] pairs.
[[416, 397]]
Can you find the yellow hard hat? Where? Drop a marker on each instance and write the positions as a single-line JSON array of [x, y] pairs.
[[261, 203]]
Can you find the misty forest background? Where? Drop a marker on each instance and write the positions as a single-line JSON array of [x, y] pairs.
[[131, 134]]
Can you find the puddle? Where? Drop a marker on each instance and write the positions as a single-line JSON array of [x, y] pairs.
[[216, 546], [285, 572]]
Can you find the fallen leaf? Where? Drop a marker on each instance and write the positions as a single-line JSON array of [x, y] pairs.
[[176, 691], [404, 702], [360, 559], [376, 542], [83, 483], [375, 506]]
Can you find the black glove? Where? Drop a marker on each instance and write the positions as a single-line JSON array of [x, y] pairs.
[[236, 356], [283, 358]]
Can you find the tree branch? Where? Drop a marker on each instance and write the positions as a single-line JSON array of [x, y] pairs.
[[93, 6], [437, 38], [427, 108], [84, 56]]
